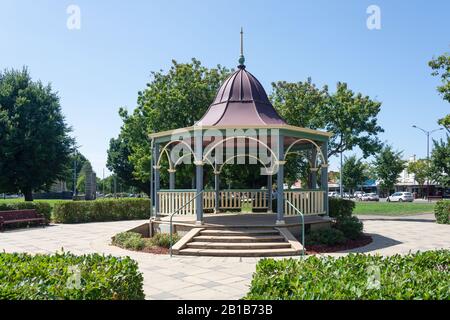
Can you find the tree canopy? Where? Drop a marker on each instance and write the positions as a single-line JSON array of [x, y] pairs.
[[35, 144], [441, 68], [440, 162], [420, 169], [354, 173], [352, 117], [388, 165]]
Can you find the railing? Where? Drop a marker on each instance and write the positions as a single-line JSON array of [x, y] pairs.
[[174, 213], [170, 201], [302, 216], [309, 202], [233, 199]]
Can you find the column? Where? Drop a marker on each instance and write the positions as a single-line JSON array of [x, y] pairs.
[[172, 178], [313, 173], [280, 181], [199, 174], [216, 190], [157, 179], [269, 193], [324, 177]]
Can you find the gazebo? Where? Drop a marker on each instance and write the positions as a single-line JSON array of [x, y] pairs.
[[240, 125]]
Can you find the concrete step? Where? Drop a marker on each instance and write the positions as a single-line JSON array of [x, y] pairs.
[[238, 231], [254, 238], [239, 252], [238, 245]]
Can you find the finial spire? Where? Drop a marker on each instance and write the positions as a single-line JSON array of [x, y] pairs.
[[241, 57]]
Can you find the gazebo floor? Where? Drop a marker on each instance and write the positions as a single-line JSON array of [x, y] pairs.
[[226, 220]]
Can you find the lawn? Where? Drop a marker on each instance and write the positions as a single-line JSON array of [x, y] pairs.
[[392, 209]]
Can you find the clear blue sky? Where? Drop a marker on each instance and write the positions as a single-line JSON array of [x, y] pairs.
[[102, 66]]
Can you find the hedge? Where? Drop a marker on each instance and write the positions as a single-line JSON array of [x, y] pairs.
[[423, 275], [41, 207], [101, 210], [340, 208], [442, 212], [70, 277]]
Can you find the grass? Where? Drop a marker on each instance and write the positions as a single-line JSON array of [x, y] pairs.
[[392, 209]]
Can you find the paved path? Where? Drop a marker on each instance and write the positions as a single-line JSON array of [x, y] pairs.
[[211, 277]]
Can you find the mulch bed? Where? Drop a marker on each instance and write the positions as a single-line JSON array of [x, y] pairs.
[[155, 250], [350, 244]]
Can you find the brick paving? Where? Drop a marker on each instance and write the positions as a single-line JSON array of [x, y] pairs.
[[183, 277]]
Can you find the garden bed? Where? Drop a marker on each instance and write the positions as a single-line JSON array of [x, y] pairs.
[[348, 245], [159, 244]]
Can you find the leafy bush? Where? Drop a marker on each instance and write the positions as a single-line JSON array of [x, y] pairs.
[[442, 212], [41, 207], [66, 276], [129, 240], [423, 275], [351, 227], [340, 208], [101, 210], [163, 239], [327, 237]]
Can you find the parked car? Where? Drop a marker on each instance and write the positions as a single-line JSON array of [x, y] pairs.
[[333, 194], [400, 197], [358, 195], [370, 197]]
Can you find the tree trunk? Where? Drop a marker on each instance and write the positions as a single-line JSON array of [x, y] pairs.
[[28, 194]]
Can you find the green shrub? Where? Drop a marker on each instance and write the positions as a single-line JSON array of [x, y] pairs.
[[101, 210], [163, 239], [129, 240], [351, 227], [327, 237], [340, 208], [423, 275], [41, 207], [66, 276], [442, 212]]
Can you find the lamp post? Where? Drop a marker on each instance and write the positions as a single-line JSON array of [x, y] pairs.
[[427, 133]]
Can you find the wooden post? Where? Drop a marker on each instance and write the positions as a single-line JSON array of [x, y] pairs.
[[313, 173], [157, 179], [216, 189], [172, 179], [199, 174], [280, 181], [324, 177], [269, 193]]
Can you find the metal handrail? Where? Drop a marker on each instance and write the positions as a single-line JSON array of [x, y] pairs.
[[303, 225], [175, 212]]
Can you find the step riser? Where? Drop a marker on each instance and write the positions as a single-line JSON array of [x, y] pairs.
[[220, 239], [229, 253], [250, 246], [232, 233]]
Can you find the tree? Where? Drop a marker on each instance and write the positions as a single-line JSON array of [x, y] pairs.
[[34, 141], [440, 162], [441, 68], [78, 159], [300, 103], [353, 173], [388, 165], [171, 100], [350, 116], [353, 120], [119, 163], [420, 170]]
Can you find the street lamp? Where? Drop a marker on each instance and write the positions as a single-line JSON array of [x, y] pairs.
[[427, 133]]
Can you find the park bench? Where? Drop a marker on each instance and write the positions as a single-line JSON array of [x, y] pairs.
[[435, 198], [21, 216]]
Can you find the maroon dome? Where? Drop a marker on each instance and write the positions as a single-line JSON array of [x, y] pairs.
[[241, 100]]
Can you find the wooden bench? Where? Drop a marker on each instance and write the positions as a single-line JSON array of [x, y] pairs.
[[19, 216], [436, 198]]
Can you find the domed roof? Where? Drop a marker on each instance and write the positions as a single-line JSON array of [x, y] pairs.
[[241, 100]]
